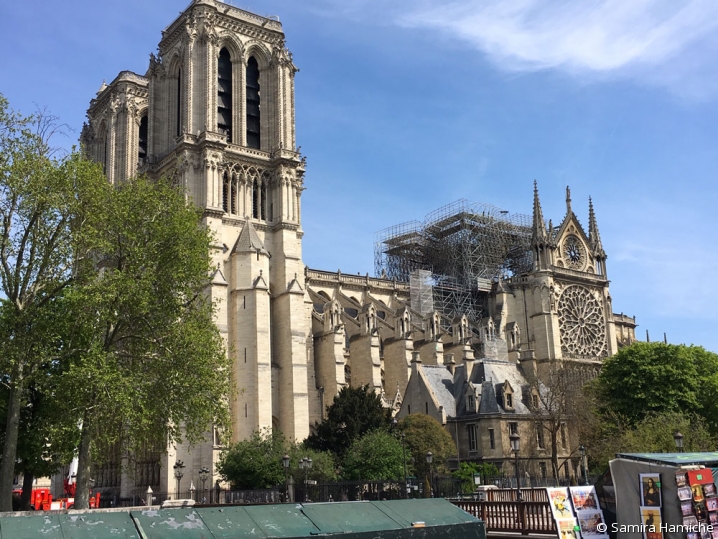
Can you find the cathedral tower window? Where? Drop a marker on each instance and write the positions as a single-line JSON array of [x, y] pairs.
[[142, 142], [224, 94], [255, 199], [263, 202], [225, 193], [102, 147], [178, 104], [233, 186], [253, 103]]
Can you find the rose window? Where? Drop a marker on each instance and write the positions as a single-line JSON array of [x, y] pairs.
[[583, 329]]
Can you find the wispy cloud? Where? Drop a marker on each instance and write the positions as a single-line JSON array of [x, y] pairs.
[[635, 38]]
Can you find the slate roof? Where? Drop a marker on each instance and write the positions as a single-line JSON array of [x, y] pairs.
[[488, 374], [248, 241], [441, 383]]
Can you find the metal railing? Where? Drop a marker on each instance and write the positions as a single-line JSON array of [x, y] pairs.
[[511, 516]]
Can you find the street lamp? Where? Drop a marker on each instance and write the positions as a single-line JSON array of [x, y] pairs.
[[203, 476], [402, 437], [515, 441], [582, 451], [678, 438], [429, 460], [306, 464], [285, 464], [179, 474]]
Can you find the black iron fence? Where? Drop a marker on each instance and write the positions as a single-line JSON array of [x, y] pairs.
[[440, 486]]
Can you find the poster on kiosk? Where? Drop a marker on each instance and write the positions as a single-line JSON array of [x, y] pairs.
[[665, 496]]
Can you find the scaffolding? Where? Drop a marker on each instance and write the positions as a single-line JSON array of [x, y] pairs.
[[458, 250]]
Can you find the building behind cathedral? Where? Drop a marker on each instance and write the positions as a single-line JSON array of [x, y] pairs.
[[215, 111]]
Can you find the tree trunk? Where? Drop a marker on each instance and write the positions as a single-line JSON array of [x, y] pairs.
[[554, 453], [9, 454], [25, 499], [84, 463]]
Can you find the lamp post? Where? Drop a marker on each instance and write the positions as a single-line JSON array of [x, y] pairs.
[[179, 474], [678, 439], [285, 465], [402, 437], [582, 451], [515, 441], [203, 476], [306, 464], [429, 460]]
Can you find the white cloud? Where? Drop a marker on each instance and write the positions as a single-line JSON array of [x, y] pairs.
[[645, 39], [599, 35]]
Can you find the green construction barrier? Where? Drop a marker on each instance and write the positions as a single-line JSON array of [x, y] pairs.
[[258, 521], [71, 525], [176, 523], [398, 519], [346, 517], [432, 512]]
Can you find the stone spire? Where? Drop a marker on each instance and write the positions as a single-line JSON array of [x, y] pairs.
[[593, 236], [539, 225]]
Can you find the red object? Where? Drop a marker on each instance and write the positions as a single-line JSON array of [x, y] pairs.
[[700, 477], [41, 499]]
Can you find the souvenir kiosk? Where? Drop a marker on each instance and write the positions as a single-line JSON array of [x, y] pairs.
[[665, 495]]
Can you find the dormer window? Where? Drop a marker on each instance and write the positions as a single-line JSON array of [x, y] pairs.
[[508, 393], [470, 403]]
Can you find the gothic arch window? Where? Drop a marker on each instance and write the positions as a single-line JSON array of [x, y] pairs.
[[581, 323], [263, 203], [225, 193], [253, 103], [142, 140], [255, 199], [178, 103], [102, 147], [233, 186], [224, 94]]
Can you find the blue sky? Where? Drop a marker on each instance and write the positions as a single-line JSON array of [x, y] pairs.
[[408, 105]]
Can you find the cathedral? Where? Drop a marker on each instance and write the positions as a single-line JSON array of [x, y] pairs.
[[215, 111]]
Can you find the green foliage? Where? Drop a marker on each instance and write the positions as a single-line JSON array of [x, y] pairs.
[[466, 473], [354, 412], [44, 199], [375, 456], [254, 463], [323, 466], [653, 434], [655, 378], [148, 364], [424, 433], [257, 462]]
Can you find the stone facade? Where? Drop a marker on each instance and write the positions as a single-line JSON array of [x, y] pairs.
[[215, 111]]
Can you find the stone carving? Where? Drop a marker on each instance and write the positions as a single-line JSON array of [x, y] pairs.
[[582, 325]]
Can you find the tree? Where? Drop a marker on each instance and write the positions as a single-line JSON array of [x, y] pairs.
[[257, 462], [148, 363], [558, 405], [354, 412], [423, 434], [654, 377], [649, 378], [467, 470], [653, 434], [42, 201], [375, 456], [46, 440]]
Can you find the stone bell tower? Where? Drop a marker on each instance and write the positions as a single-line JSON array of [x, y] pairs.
[[215, 111]]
